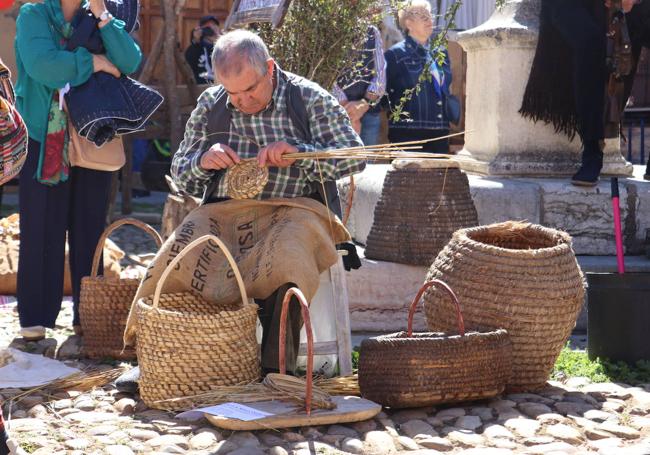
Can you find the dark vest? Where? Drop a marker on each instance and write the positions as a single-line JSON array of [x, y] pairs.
[[220, 118]]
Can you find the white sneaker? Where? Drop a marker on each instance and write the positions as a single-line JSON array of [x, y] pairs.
[[33, 333]]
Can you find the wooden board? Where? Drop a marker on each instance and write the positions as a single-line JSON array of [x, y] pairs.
[[348, 409]]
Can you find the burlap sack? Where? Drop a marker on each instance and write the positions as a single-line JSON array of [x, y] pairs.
[[10, 244], [274, 242]]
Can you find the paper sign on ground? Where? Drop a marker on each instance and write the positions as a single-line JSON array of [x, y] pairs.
[[228, 410]]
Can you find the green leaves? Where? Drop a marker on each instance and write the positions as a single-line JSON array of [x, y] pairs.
[[317, 37], [576, 363]]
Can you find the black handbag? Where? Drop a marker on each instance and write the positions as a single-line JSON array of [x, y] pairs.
[[452, 108]]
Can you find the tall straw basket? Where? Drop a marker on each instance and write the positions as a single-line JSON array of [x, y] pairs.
[[187, 345], [104, 303], [518, 276], [422, 204], [409, 369]]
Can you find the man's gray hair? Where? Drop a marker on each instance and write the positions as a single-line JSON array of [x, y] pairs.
[[238, 48]]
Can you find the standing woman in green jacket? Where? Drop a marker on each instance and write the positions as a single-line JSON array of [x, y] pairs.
[[56, 199]]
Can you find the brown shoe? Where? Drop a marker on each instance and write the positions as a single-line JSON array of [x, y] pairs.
[[34, 333]]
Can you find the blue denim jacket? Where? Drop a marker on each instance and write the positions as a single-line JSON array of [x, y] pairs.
[[405, 61]]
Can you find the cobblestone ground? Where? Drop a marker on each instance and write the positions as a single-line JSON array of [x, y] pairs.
[[574, 417]]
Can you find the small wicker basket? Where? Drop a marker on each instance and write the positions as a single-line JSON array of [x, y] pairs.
[[187, 345], [104, 303], [409, 369]]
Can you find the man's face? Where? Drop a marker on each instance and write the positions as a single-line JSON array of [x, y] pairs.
[[214, 26], [250, 92]]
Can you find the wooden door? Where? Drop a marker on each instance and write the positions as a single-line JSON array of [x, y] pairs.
[[151, 20]]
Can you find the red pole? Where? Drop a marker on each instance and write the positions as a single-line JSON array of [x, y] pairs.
[[620, 259]]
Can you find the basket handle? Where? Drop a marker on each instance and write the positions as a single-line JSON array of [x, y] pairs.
[[304, 307], [102, 240], [190, 246], [445, 287]]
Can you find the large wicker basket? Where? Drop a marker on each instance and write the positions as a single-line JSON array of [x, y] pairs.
[[519, 276], [409, 369], [422, 204], [104, 303], [187, 345]]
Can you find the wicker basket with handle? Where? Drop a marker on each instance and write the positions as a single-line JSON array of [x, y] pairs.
[[104, 302], [186, 344], [407, 369]]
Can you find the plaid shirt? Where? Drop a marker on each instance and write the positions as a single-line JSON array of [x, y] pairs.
[[329, 126]]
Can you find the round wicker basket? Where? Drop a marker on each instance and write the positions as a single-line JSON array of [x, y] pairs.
[[422, 204], [518, 276], [104, 303], [187, 345], [409, 369]]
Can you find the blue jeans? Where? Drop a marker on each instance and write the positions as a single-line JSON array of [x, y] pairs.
[[370, 126]]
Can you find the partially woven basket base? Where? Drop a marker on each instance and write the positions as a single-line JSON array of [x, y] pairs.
[[433, 368], [104, 306], [521, 277], [188, 345], [246, 179], [419, 210]]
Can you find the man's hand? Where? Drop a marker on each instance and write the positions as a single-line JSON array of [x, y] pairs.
[[218, 157], [271, 155], [357, 109], [101, 63], [626, 4], [197, 33]]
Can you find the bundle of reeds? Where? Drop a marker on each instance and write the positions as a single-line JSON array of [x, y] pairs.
[[81, 382], [274, 387], [342, 385]]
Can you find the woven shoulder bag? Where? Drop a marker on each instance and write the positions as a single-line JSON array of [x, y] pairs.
[[13, 132]]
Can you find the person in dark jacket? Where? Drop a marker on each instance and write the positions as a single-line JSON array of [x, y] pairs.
[[425, 114], [569, 76], [638, 22], [198, 53], [360, 88], [55, 199]]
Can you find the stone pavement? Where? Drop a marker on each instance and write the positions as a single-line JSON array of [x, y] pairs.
[[574, 417]]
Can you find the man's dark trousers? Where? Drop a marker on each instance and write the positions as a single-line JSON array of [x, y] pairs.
[[269, 314]]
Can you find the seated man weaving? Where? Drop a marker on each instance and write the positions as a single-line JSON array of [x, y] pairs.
[[263, 112]]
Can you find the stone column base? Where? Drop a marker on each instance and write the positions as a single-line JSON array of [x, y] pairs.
[[554, 164]]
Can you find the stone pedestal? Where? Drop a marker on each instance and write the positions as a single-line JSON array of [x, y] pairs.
[[499, 141], [585, 213]]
